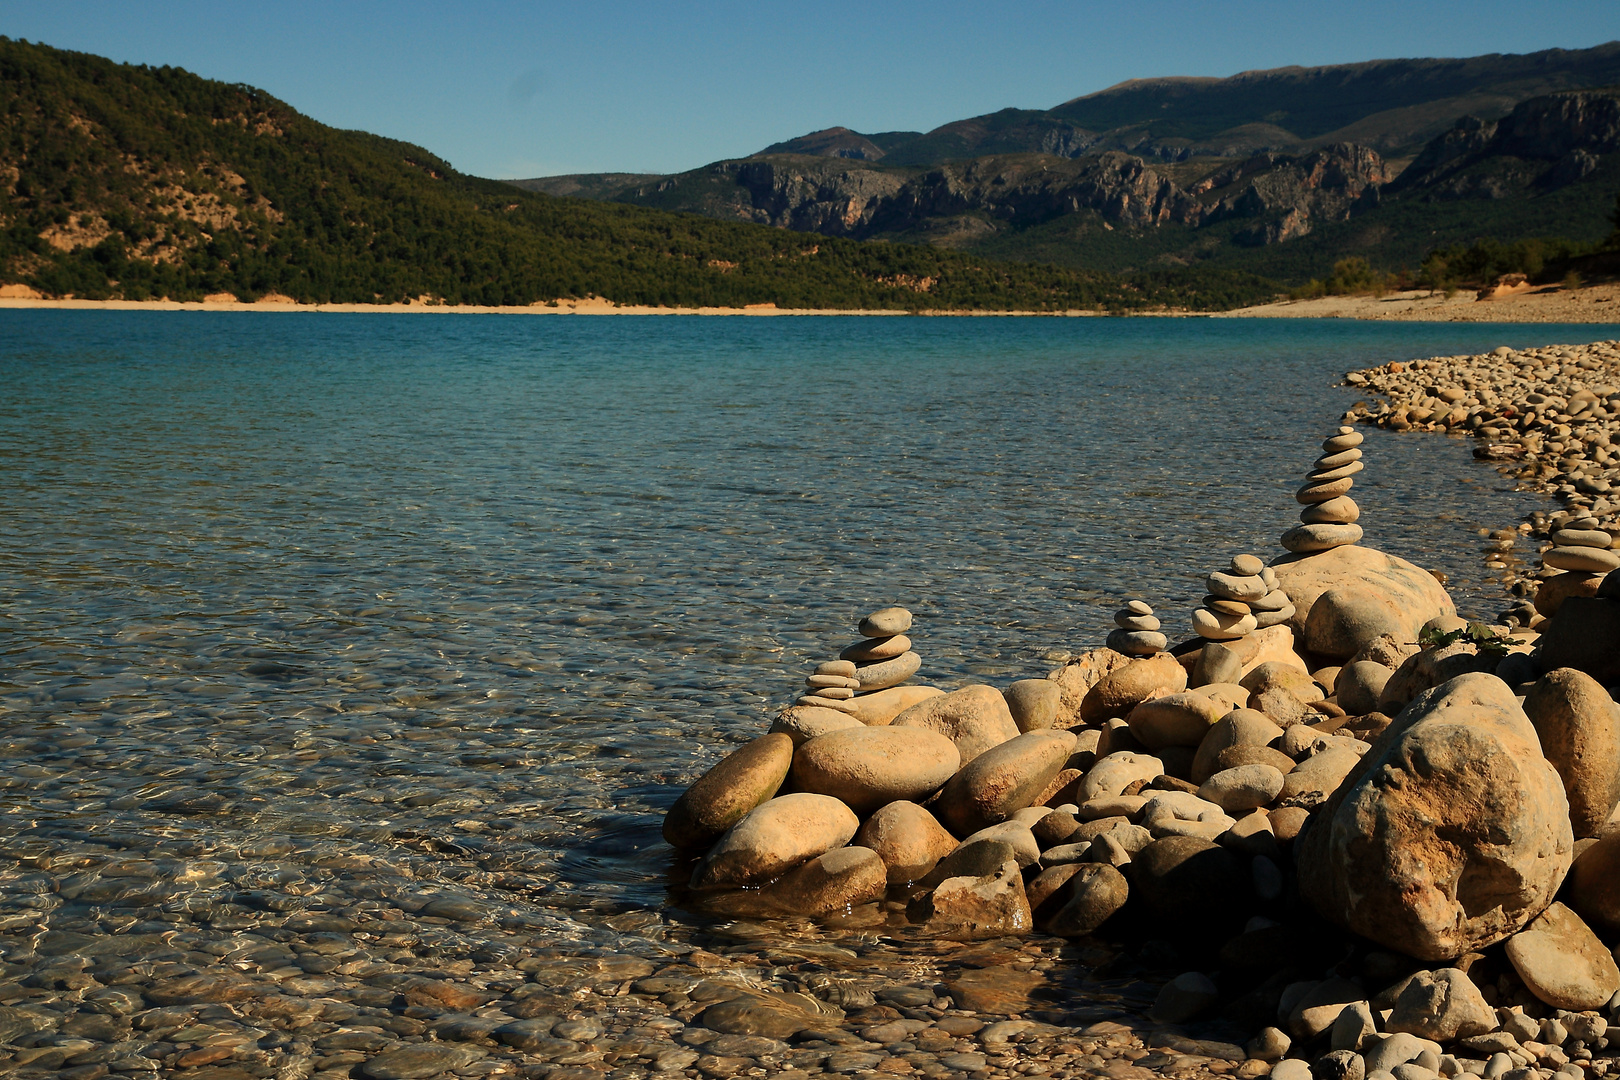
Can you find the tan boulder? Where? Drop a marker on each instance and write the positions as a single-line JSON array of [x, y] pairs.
[[1450, 835], [1562, 962], [869, 767], [1428, 668], [838, 880], [1035, 704], [774, 838], [1585, 635], [1115, 772], [1174, 720], [908, 839], [975, 718], [1267, 645], [1076, 678], [1367, 592], [1273, 674], [1118, 693], [1240, 727], [738, 782], [1553, 591], [1579, 727], [994, 905], [1002, 780], [801, 723], [1359, 686]]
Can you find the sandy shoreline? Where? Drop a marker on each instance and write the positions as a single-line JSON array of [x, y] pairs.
[[1594, 304]]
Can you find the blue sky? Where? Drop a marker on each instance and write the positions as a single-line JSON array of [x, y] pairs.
[[511, 89]]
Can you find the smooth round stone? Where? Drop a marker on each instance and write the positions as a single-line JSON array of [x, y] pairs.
[[1003, 780], [1221, 626], [1322, 492], [1343, 457], [1034, 703], [419, 1060], [1239, 727], [1235, 587], [886, 622], [1228, 607], [801, 723], [839, 880], [1359, 686], [1137, 642], [833, 693], [776, 837], [1264, 619], [1118, 692], [1553, 591], [1228, 696], [869, 767], [1174, 720], [738, 782], [1593, 560], [886, 673], [1129, 620], [1340, 511], [1243, 788], [1138, 607], [818, 682], [975, 718], [1116, 772], [1303, 538], [1345, 440], [886, 648], [1321, 476], [1592, 538], [1247, 566], [1275, 600], [838, 667], [1563, 962], [908, 839]]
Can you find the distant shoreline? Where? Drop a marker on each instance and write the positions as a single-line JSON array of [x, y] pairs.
[[1595, 304]]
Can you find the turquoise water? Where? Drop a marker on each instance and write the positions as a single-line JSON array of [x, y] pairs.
[[476, 596]]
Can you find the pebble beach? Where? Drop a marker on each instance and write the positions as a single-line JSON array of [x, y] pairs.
[[408, 936]]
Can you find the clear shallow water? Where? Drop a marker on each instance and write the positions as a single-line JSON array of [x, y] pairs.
[[299, 610]]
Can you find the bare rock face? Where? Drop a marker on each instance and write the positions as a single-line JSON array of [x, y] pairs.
[[1449, 835], [1579, 727], [1347, 596]]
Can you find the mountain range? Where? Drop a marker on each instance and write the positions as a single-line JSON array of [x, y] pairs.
[[1280, 172]]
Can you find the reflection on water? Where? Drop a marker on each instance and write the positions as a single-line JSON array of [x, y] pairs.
[[319, 614]]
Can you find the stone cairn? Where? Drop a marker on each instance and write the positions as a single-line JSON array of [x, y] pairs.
[[1243, 598], [1330, 513], [1136, 631], [883, 659], [1581, 547]]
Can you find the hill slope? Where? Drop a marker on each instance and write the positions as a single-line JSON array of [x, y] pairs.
[[137, 182]]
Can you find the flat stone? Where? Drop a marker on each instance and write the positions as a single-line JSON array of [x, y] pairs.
[[1322, 492], [754, 1016], [1130, 620], [996, 991], [1562, 962], [1243, 788], [872, 649], [838, 667], [801, 723], [1320, 537], [1589, 559], [1593, 538], [886, 622], [881, 707], [1137, 642], [1234, 587], [1322, 476], [882, 674], [1336, 511], [1345, 440], [1114, 773], [1337, 458], [1220, 625]]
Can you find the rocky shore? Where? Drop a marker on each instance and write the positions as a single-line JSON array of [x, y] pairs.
[[1376, 836]]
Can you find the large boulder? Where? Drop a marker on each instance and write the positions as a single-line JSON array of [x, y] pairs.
[[740, 781], [1585, 635], [1563, 962], [908, 839], [1120, 691], [1449, 835], [1428, 668], [1076, 678], [1579, 726], [1002, 781], [1345, 597], [774, 838], [1174, 720], [869, 767], [975, 718]]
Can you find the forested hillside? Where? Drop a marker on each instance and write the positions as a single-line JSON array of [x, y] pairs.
[[140, 182]]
